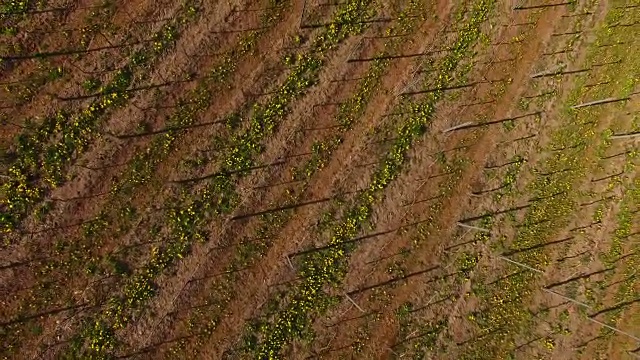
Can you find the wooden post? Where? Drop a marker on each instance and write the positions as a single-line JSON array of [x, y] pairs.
[[520, 264], [457, 127], [304, 6], [354, 303], [614, 329], [598, 102], [633, 354], [566, 298], [473, 227], [625, 136], [529, 7], [546, 72], [289, 262]]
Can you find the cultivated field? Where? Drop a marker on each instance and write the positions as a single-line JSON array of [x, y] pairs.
[[330, 179]]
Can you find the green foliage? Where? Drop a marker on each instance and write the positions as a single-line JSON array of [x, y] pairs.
[[12, 7], [118, 266], [403, 312], [101, 338], [91, 85], [428, 338], [40, 164], [55, 73], [466, 263]]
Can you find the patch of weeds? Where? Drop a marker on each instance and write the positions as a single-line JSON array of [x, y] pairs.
[[118, 267], [91, 85], [42, 210], [509, 125]]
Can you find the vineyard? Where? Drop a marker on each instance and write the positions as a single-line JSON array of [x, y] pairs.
[[319, 179]]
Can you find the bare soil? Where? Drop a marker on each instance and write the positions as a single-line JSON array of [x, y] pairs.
[[425, 226]]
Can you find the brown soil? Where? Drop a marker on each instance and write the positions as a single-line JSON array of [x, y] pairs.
[[411, 248]]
